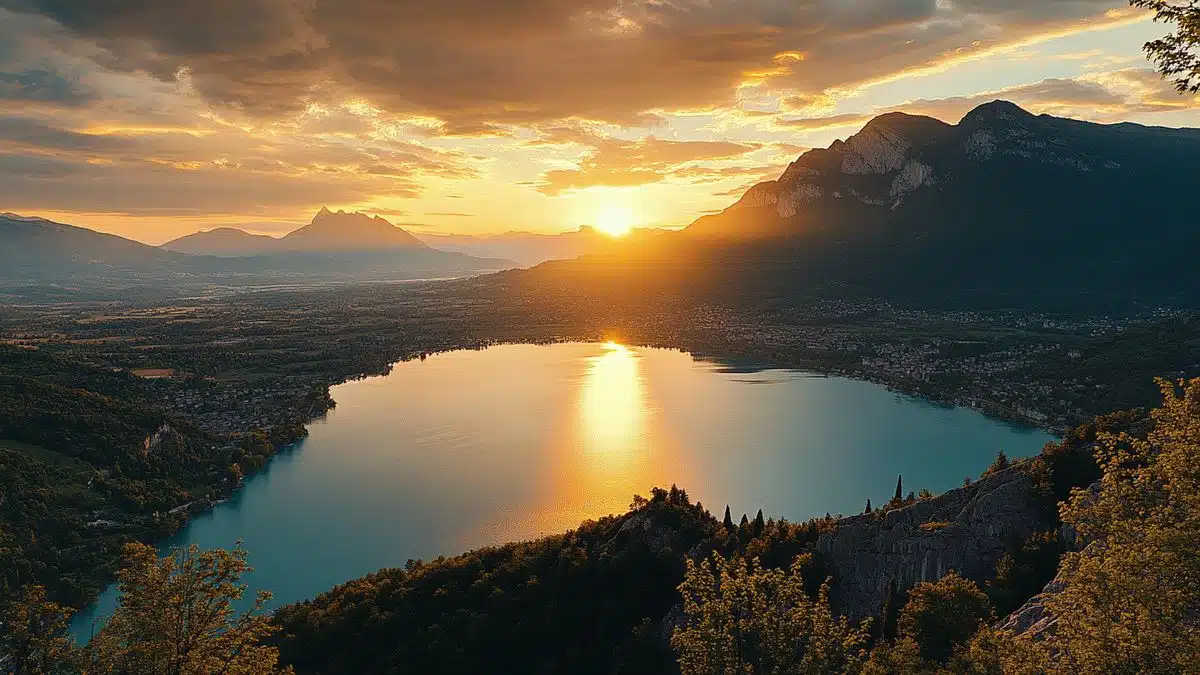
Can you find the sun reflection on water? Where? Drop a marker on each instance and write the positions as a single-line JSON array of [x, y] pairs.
[[612, 407], [610, 448]]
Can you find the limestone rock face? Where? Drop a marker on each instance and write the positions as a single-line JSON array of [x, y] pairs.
[[912, 176], [1033, 618], [763, 194], [789, 202], [973, 526], [874, 150]]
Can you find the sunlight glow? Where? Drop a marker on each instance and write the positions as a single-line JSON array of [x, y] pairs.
[[612, 403], [615, 220]]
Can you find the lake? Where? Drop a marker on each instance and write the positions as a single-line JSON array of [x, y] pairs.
[[471, 448]]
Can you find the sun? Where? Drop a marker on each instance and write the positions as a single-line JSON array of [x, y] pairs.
[[615, 220]]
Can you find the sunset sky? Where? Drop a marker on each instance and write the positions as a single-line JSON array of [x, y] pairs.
[[156, 118]]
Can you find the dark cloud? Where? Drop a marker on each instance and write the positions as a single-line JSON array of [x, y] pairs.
[[38, 135], [150, 188], [41, 86], [478, 63]]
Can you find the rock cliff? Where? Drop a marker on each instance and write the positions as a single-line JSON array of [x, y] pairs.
[[897, 154], [966, 530]]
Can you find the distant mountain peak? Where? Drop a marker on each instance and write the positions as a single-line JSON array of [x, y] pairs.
[[905, 124], [8, 215], [997, 110], [343, 231]]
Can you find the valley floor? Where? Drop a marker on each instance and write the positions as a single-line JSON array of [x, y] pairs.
[[245, 366]]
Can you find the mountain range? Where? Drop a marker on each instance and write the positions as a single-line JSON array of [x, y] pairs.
[[1003, 209], [328, 232], [333, 246]]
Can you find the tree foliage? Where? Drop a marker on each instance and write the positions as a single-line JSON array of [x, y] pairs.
[[1132, 595], [943, 615], [742, 618], [32, 635], [176, 617], [1130, 598], [1176, 54]]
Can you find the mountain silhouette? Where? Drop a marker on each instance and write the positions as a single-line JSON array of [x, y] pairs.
[[335, 246], [328, 232], [1005, 208]]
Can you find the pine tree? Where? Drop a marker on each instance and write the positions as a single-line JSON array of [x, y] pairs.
[[728, 522], [899, 487], [759, 523], [1001, 463], [745, 521], [868, 510]]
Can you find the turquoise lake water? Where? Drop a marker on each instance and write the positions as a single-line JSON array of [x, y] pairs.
[[471, 448]]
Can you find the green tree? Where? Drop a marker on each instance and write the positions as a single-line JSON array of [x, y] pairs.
[[902, 657], [1132, 594], [176, 617], [33, 635], [1175, 54], [943, 615], [1130, 598], [743, 619], [728, 522]]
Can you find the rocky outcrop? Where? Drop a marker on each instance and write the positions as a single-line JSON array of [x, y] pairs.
[[788, 203], [1033, 618], [914, 175], [659, 537], [896, 154], [967, 530], [763, 194], [152, 442], [874, 150]]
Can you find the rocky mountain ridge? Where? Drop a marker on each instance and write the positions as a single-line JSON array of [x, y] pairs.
[[896, 154]]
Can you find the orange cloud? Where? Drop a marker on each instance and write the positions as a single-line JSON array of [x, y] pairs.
[[477, 65], [615, 163]]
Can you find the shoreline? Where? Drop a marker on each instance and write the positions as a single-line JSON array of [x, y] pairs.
[[283, 439]]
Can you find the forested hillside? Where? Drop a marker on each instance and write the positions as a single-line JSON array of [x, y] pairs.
[[603, 598], [87, 464]]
